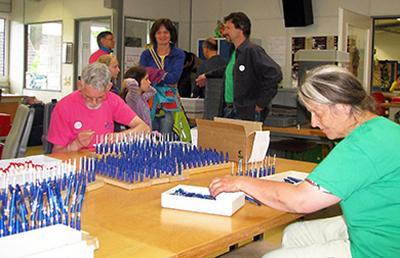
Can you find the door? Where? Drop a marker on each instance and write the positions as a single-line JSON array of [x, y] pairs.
[[355, 37]]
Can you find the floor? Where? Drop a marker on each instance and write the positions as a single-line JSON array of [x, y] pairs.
[[34, 150]]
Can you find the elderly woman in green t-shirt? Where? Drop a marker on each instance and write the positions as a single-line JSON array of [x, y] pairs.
[[362, 173]]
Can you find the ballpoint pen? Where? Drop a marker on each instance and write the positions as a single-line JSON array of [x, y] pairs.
[[251, 199]]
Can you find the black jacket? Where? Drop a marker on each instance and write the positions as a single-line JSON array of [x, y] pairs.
[[255, 80]]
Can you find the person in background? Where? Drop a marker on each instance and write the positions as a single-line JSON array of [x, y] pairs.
[[139, 91], [395, 85], [113, 65], [106, 43], [164, 55], [212, 67], [189, 69], [90, 111], [251, 76], [362, 173]]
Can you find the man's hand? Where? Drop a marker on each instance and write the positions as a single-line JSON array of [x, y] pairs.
[[201, 80], [259, 109], [85, 137]]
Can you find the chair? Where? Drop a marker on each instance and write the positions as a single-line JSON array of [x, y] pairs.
[[17, 140], [48, 109], [379, 99]]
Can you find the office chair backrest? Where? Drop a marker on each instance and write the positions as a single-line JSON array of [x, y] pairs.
[[379, 99], [48, 109], [17, 139]]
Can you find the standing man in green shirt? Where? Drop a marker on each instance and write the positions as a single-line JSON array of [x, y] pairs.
[[251, 76]]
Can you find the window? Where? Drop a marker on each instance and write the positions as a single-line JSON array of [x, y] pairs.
[[43, 46], [2, 47], [4, 23]]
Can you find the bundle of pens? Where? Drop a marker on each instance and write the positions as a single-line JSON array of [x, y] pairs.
[[136, 158], [33, 196], [181, 192], [27, 171], [255, 169]]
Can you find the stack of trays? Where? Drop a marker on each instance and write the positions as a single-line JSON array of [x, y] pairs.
[[213, 102]]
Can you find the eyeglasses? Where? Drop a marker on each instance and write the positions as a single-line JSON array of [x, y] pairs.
[[93, 99]]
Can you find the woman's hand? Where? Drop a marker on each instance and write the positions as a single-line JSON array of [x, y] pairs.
[[225, 184]]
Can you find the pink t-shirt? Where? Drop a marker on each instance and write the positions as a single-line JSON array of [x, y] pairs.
[[96, 55], [70, 116]]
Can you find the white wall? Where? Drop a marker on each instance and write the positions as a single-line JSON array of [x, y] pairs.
[[387, 46], [266, 17], [176, 10], [268, 24], [28, 11]]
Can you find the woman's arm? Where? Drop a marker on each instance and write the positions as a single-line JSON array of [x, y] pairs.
[[302, 198]]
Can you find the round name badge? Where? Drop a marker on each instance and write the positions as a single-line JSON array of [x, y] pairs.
[[242, 68], [78, 125]]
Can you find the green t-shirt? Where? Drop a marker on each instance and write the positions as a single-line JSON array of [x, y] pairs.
[[229, 79], [364, 171]]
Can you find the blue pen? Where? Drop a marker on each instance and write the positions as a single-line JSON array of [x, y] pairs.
[[294, 179], [273, 165], [79, 206], [286, 180], [251, 199]]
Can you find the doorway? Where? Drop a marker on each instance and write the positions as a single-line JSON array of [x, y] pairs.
[[386, 54], [86, 31]]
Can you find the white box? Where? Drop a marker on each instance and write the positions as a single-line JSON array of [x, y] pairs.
[[281, 176], [192, 105], [36, 159], [225, 204], [53, 241]]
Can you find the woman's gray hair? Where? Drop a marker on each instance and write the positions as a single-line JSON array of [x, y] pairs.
[[331, 85], [96, 75]]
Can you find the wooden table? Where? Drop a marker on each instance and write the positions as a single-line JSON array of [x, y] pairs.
[[133, 224], [9, 108], [307, 131], [304, 132]]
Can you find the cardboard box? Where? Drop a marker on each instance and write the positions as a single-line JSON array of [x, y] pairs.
[[228, 135], [225, 204]]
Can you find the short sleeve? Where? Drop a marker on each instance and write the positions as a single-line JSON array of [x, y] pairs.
[[59, 131], [122, 113], [345, 170]]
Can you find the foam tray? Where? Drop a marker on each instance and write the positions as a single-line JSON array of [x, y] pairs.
[[281, 176], [225, 204]]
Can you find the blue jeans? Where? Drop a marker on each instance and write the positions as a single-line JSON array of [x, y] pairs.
[[163, 124], [231, 112]]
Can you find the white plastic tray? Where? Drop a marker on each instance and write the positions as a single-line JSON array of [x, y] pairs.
[[225, 204], [281, 176], [53, 241]]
